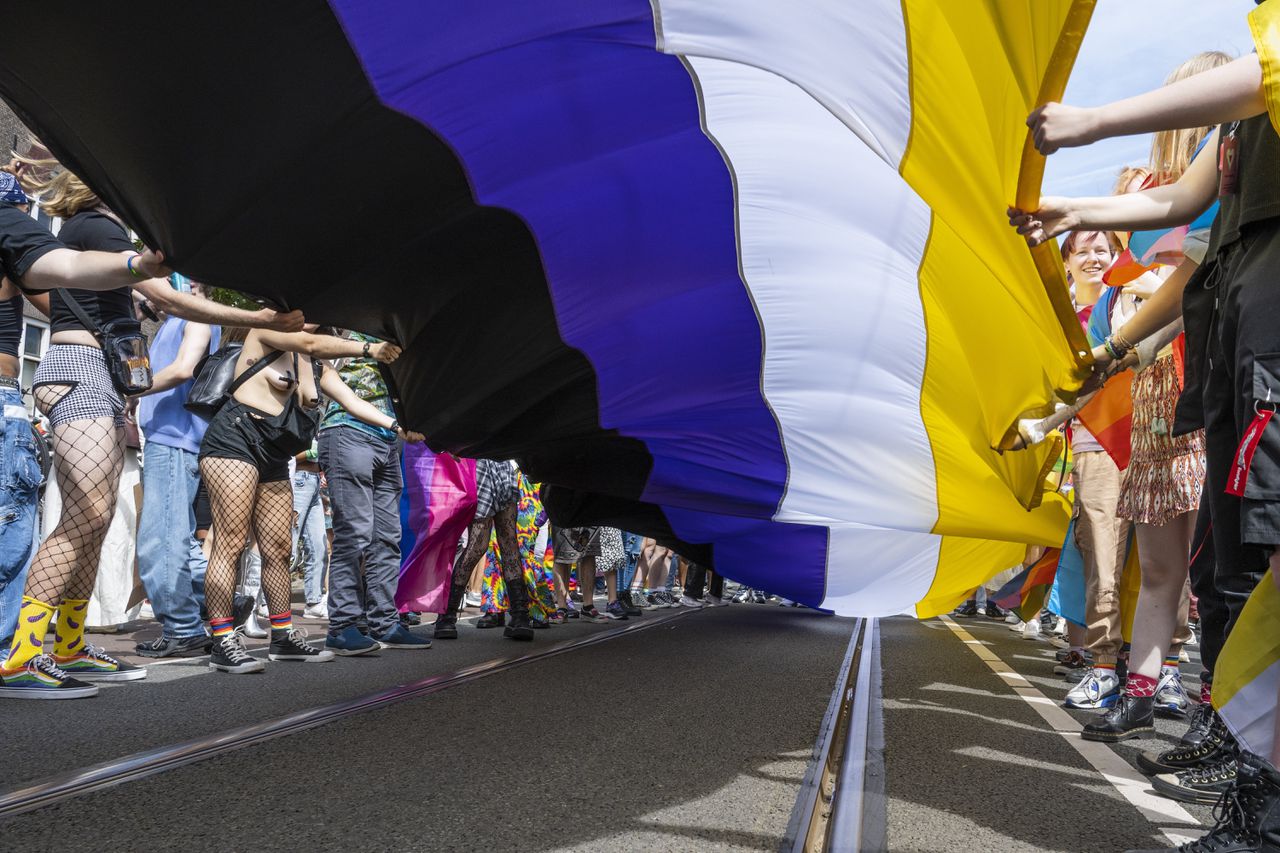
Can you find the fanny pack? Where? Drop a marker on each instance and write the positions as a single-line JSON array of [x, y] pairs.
[[124, 348], [295, 428]]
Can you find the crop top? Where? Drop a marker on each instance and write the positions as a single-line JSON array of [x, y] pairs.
[[92, 230]]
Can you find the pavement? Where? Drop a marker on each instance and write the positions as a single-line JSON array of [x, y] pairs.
[[692, 735], [972, 765]]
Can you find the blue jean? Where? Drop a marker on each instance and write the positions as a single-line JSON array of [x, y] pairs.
[[365, 483], [170, 562], [631, 544], [19, 484], [308, 525]]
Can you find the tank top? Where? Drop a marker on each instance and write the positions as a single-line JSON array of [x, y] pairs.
[[1257, 194], [162, 417]]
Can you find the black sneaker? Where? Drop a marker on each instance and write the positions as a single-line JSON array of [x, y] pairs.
[[967, 610], [1204, 723], [1207, 748], [1074, 664], [291, 644], [1204, 784], [995, 611], [228, 655], [175, 647], [628, 605], [410, 619], [492, 620], [1247, 815], [590, 614], [1131, 716]]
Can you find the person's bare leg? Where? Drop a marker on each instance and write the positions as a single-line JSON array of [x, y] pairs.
[[587, 581], [1163, 551], [611, 585]]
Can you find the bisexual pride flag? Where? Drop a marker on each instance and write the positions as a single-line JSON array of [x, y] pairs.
[[733, 273]]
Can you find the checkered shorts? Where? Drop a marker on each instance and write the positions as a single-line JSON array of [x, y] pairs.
[[92, 394], [495, 487]]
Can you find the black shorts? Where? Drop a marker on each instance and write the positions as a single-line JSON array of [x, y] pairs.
[[235, 433]]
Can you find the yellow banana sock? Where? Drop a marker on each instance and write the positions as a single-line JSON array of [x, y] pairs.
[[69, 634], [28, 637]]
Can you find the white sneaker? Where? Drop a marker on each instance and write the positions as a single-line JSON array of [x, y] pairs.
[[686, 601], [471, 599], [1031, 630], [1058, 642], [1017, 626], [1060, 627], [1099, 689], [1013, 619], [1171, 697], [319, 610]]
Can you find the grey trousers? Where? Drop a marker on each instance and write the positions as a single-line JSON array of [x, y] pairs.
[[364, 491]]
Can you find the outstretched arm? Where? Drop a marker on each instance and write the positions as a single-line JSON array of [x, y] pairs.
[[1226, 93], [91, 270], [198, 310], [337, 391], [327, 346], [1159, 207]]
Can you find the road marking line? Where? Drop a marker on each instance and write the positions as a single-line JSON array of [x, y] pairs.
[[1131, 784]]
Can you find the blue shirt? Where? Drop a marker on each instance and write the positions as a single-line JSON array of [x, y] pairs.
[[162, 416]]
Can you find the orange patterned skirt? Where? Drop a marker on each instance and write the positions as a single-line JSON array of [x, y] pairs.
[[1165, 474]]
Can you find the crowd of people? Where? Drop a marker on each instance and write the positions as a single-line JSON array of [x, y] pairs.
[[1199, 495], [269, 449], [296, 468]]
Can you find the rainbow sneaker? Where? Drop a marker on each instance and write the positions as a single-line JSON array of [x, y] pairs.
[[40, 678], [94, 664]]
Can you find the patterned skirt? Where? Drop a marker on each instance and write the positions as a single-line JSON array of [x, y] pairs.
[[1165, 474]]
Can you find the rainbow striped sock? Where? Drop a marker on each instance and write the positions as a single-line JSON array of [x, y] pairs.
[[1171, 660], [221, 627], [1110, 666], [282, 621]]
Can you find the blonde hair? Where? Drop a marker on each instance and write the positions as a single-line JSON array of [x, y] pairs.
[[1171, 150], [61, 192]]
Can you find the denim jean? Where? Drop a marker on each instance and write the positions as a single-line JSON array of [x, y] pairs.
[[673, 573], [19, 484], [631, 544], [365, 482], [170, 562], [308, 526]]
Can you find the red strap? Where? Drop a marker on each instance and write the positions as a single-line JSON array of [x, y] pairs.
[[1244, 454]]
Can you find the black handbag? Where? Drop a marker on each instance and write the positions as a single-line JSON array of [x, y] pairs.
[[124, 348], [294, 428], [216, 381]]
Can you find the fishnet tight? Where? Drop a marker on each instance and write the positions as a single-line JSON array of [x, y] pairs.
[[238, 502], [478, 544], [88, 461]]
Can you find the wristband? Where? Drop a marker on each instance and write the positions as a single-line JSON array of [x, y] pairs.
[[395, 426], [366, 349], [136, 272]]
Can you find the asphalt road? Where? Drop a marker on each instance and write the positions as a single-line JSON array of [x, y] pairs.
[[693, 735], [972, 766]]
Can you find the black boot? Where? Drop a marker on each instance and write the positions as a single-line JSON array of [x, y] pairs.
[[495, 619], [1203, 744], [518, 596], [1130, 717], [447, 622], [1248, 813]]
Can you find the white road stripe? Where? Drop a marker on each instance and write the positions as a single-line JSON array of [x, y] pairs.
[[1131, 784]]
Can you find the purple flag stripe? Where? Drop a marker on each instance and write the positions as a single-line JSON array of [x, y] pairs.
[[564, 113]]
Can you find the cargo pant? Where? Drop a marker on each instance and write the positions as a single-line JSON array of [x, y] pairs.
[[1103, 540]]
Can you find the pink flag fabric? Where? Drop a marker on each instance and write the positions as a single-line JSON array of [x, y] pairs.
[[441, 495]]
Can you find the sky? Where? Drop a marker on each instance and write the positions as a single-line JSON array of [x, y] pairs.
[[1131, 46]]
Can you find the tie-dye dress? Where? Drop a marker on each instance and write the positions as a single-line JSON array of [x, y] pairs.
[[537, 573]]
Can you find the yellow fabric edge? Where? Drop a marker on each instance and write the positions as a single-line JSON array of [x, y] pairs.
[[1254, 644], [964, 561], [1264, 25]]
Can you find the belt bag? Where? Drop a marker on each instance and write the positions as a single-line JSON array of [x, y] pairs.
[[294, 428], [124, 348], [215, 379]]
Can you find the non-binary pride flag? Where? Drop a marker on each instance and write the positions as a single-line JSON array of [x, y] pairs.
[[736, 273]]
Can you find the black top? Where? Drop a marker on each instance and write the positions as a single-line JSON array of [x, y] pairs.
[[91, 230], [1257, 194], [10, 326], [22, 241]]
